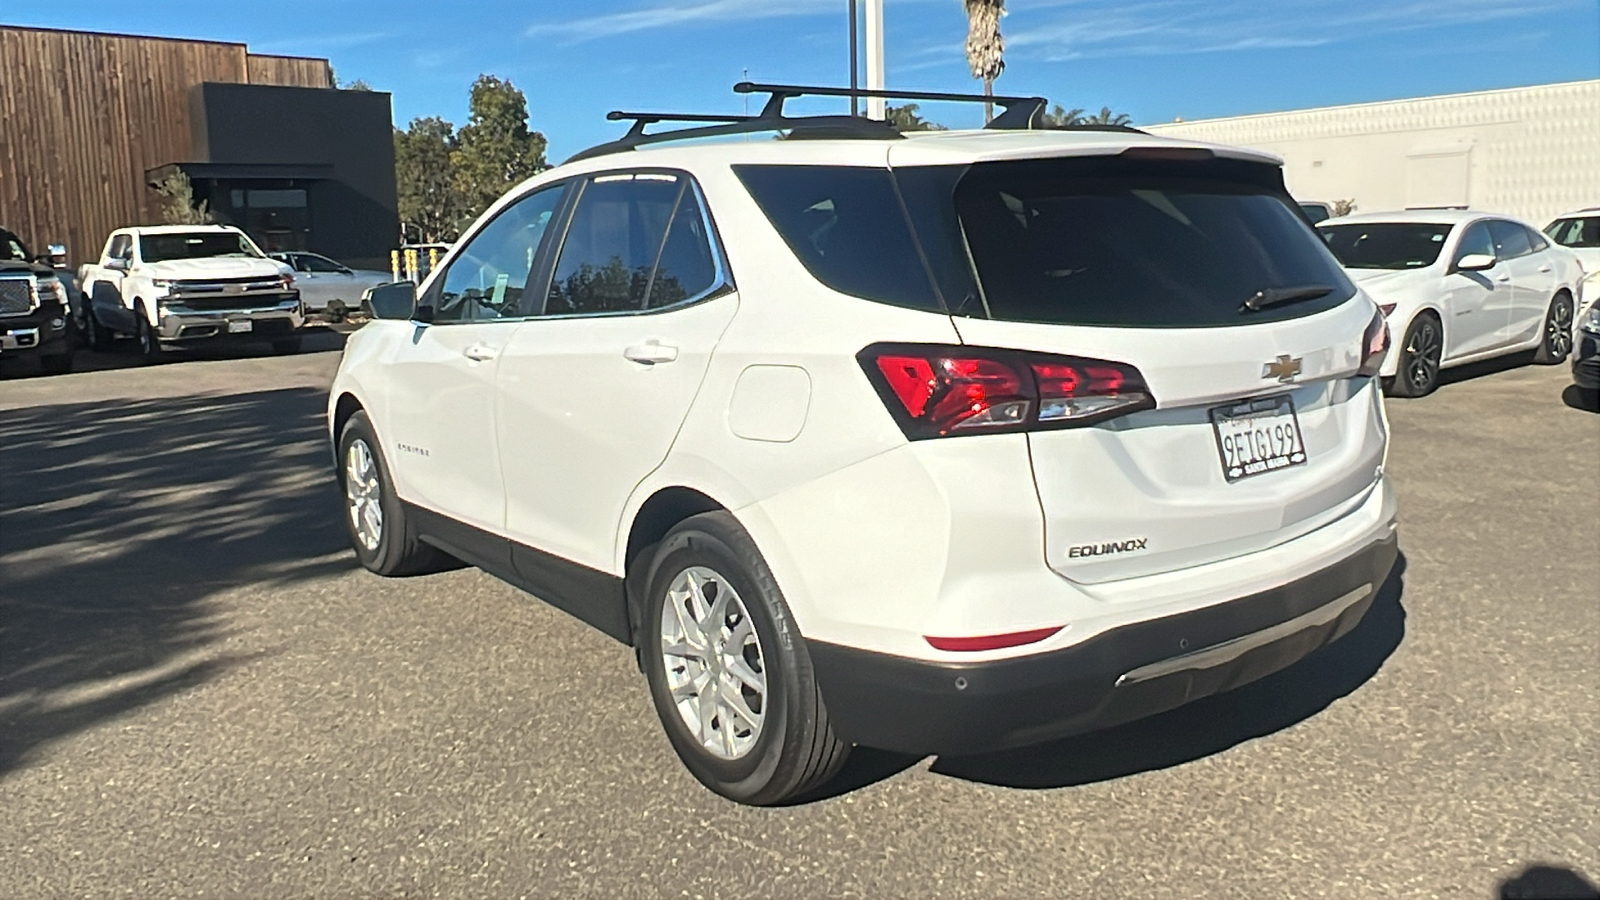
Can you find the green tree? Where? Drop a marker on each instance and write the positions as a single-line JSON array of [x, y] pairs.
[[905, 118], [177, 206], [1062, 118], [495, 149], [1106, 117], [431, 209]]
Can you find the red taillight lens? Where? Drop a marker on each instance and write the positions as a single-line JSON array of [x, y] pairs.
[[934, 390], [1375, 344]]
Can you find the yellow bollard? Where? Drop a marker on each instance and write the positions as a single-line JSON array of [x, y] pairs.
[[433, 259], [394, 264]]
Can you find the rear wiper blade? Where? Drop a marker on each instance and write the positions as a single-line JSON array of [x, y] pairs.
[[1274, 296]]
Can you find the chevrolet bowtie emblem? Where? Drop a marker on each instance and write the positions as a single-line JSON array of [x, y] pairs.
[[1284, 368]]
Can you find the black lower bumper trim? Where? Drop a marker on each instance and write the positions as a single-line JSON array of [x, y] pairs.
[[918, 706], [1586, 361]]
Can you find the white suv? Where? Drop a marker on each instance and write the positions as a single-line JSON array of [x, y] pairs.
[[938, 444]]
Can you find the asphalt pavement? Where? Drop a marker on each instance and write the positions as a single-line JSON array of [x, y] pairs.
[[202, 695]]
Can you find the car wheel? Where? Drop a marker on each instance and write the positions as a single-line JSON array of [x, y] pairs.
[[384, 538], [97, 336], [728, 670], [1557, 342], [286, 346], [1420, 352], [149, 344], [56, 363]]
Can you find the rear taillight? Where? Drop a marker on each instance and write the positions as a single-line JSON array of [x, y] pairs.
[[934, 390], [1374, 344]]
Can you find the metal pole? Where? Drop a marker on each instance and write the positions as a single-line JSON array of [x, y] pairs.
[[855, 62], [874, 35]]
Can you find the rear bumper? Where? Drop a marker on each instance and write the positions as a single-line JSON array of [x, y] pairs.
[[1125, 673], [1586, 361]]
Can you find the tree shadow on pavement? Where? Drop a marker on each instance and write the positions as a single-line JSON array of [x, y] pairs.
[[119, 521], [1209, 725]]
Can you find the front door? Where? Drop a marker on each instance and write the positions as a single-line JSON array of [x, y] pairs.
[[442, 441], [592, 393], [1477, 303]]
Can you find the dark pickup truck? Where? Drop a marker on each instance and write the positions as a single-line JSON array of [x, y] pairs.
[[33, 308]]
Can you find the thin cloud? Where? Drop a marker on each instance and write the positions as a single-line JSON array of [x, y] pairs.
[[612, 24]]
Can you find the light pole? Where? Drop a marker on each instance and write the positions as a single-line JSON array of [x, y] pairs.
[[855, 63], [874, 35]]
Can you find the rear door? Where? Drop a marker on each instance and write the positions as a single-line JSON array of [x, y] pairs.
[[1261, 432], [1532, 280], [591, 393]]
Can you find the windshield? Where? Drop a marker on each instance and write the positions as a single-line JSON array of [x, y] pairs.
[[1386, 245], [1576, 232], [195, 245], [11, 247]]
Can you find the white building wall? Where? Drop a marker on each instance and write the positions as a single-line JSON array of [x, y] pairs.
[[1532, 153]]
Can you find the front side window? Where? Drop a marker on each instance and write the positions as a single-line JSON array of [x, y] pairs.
[[489, 278], [1576, 232], [1510, 239], [121, 247], [1475, 241], [1385, 245], [310, 262], [195, 245]]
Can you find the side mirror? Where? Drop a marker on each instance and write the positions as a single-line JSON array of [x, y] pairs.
[[396, 300], [120, 265], [1475, 262], [56, 250]]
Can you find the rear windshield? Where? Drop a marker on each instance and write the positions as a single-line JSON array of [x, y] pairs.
[[1386, 245], [1099, 241], [194, 245], [1577, 232]]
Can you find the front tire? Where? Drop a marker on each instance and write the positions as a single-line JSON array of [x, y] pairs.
[[1557, 342], [728, 669], [97, 336], [149, 343], [1420, 354], [384, 538]]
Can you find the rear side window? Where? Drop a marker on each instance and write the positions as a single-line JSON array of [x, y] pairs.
[[846, 226], [612, 244], [1510, 239], [1110, 243]]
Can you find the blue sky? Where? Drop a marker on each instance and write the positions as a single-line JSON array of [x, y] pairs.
[[1154, 59]]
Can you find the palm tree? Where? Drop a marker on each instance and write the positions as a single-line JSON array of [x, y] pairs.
[[1106, 117], [1062, 118], [985, 48]]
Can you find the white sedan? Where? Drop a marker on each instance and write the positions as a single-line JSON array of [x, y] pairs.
[[322, 281], [1579, 231], [1458, 286]]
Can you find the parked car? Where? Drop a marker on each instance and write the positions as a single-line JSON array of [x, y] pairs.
[[1316, 211], [1586, 360], [33, 308], [185, 284], [1458, 286], [324, 283], [939, 444], [1579, 232]]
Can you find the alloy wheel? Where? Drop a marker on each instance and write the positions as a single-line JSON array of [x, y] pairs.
[[364, 493], [1422, 356], [1558, 329], [715, 667]]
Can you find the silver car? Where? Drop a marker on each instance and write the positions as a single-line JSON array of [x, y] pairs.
[[322, 281]]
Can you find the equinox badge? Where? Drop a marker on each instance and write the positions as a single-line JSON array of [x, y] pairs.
[[1284, 368]]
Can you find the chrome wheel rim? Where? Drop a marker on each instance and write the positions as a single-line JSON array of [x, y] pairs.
[[364, 494], [716, 670], [1422, 355], [1558, 329]]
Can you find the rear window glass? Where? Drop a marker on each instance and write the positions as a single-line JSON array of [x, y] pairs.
[[1155, 245], [1386, 245], [846, 226]]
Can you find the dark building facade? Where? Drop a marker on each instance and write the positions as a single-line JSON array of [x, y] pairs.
[[92, 119]]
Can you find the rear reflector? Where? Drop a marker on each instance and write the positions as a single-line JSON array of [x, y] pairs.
[[935, 390], [991, 641]]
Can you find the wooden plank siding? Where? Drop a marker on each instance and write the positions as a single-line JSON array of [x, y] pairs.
[[83, 115]]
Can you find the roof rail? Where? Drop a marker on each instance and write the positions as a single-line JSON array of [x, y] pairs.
[[1016, 113]]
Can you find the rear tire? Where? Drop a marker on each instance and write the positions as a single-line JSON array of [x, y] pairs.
[[1556, 343], [1420, 353], [715, 618], [384, 538]]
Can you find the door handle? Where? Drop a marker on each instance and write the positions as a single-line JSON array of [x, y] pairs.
[[1503, 279], [651, 352], [1544, 269], [480, 352]]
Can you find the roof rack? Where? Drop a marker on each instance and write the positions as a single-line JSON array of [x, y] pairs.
[[1018, 113]]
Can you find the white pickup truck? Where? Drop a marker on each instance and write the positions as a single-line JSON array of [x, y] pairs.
[[179, 284]]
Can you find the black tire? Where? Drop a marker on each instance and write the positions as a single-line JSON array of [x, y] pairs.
[[56, 363], [149, 343], [97, 336], [398, 550], [795, 749], [1420, 352], [287, 346], [1556, 343]]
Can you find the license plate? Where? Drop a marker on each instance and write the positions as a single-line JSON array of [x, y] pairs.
[[239, 326], [1258, 436]]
